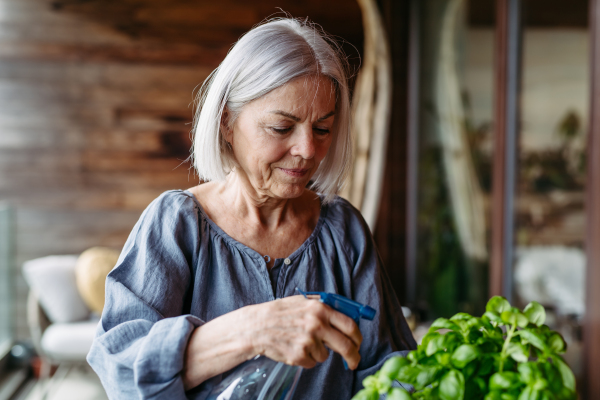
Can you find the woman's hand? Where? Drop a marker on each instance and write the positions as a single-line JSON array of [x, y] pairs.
[[293, 330]]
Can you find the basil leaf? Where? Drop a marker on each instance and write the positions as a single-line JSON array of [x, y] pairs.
[[492, 317], [435, 344], [518, 352], [427, 338], [565, 372], [480, 384], [443, 323], [557, 343], [493, 395], [504, 380], [529, 393], [452, 340], [497, 304], [371, 382], [487, 364], [540, 384], [384, 384], [550, 373], [398, 394], [509, 396], [452, 386], [533, 338], [366, 394], [426, 376], [391, 367], [463, 355], [528, 372], [408, 374], [461, 316], [443, 358], [536, 313], [470, 369], [514, 316]]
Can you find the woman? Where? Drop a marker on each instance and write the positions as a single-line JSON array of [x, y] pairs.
[[206, 279]]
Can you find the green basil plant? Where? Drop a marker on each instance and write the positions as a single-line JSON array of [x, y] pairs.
[[507, 354]]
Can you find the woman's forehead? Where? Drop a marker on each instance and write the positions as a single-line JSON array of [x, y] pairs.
[[316, 94]]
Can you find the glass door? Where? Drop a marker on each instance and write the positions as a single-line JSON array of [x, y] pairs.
[[550, 216]]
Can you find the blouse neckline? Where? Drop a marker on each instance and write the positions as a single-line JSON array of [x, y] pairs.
[[253, 253]]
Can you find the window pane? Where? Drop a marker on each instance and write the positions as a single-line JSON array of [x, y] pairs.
[[455, 156], [550, 214]]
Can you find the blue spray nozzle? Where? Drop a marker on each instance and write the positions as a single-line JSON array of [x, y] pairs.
[[351, 308]]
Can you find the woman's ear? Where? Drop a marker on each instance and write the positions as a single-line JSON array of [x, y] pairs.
[[226, 128]]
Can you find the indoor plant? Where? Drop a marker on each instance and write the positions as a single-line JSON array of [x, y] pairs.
[[505, 354]]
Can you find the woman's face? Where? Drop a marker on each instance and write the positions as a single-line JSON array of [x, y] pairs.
[[280, 139]]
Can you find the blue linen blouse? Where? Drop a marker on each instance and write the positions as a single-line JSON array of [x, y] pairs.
[[178, 269]]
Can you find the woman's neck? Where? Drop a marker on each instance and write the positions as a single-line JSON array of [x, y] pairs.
[[254, 205]]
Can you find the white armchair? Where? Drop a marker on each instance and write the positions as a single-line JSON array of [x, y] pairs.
[[61, 325]]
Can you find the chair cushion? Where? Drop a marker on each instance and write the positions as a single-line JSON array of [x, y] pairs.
[[52, 278], [91, 270], [69, 342]]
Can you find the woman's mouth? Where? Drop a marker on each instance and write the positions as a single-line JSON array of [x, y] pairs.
[[295, 172]]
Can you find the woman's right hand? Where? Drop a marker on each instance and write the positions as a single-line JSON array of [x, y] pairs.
[[293, 330]]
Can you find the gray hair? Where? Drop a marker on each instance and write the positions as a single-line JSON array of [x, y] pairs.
[[265, 58]]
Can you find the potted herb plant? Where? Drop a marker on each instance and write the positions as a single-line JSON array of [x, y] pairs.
[[507, 354]]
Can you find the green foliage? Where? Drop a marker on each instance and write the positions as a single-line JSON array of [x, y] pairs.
[[507, 354]]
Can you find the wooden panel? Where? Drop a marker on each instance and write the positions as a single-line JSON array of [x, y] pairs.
[[96, 104], [391, 224], [506, 125], [591, 329], [412, 150], [548, 13]]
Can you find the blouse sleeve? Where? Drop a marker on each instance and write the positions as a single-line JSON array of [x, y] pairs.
[[138, 351], [388, 334]]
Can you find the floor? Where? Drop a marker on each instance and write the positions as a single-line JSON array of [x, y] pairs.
[[79, 383]]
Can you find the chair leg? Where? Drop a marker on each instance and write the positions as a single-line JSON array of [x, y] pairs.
[[51, 382], [44, 369]]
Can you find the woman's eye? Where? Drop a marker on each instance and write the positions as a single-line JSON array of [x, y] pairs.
[[281, 130], [322, 131]]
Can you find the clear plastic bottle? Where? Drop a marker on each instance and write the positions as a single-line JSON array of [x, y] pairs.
[[258, 379], [264, 379]]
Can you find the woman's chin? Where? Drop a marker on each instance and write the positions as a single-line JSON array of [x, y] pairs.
[[288, 191]]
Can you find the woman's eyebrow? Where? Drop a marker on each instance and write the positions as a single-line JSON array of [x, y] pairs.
[[326, 116], [293, 117], [288, 115]]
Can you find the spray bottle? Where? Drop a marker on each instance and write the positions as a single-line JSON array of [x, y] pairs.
[[264, 379]]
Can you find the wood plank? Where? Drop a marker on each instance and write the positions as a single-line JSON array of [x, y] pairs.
[[112, 76], [92, 160], [506, 125], [391, 223], [71, 183], [141, 54], [412, 150]]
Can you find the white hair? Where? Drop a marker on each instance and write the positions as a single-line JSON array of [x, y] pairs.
[[267, 57]]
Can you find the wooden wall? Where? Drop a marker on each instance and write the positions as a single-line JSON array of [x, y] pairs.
[[96, 104]]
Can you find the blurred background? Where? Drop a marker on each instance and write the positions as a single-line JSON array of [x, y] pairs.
[[96, 104]]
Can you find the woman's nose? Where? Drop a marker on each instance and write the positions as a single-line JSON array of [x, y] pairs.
[[304, 145]]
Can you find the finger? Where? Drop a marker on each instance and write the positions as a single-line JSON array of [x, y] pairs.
[[319, 352], [306, 362], [346, 325], [342, 345]]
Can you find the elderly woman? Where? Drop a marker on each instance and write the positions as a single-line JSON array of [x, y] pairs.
[[207, 277]]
